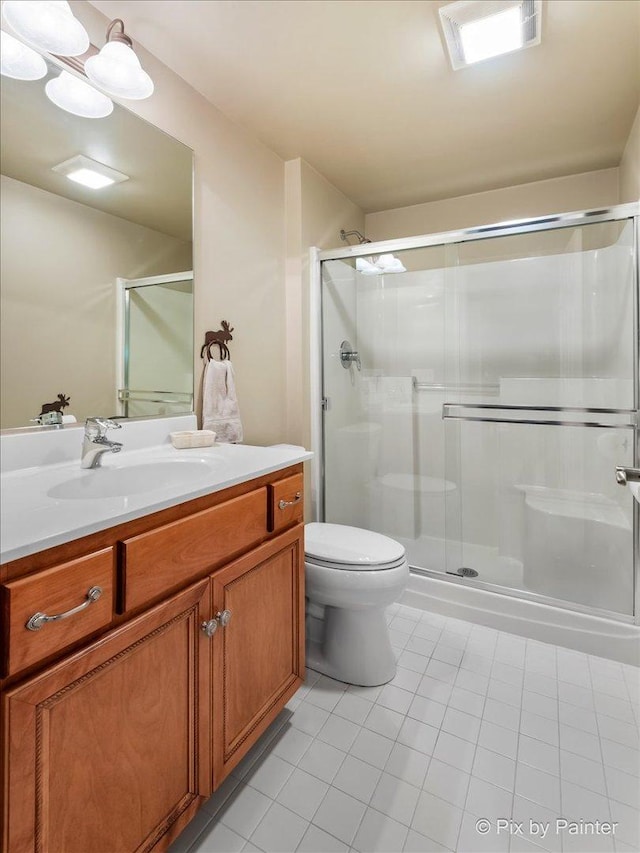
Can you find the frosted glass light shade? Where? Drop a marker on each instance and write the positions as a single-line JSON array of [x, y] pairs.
[[19, 61], [78, 98], [47, 24], [117, 70]]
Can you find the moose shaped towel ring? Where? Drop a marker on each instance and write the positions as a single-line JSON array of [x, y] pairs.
[[220, 338]]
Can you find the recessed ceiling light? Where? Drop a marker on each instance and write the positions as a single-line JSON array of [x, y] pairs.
[[83, 170], [476, 30], [89, 178]]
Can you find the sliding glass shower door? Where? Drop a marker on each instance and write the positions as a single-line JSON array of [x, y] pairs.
[[492, 395], [545, 336], [384, 443]]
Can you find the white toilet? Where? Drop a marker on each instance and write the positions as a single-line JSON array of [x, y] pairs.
[[352, 575]]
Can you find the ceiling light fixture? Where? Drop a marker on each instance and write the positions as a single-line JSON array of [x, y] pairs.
[[77, 97], [117, 69], [19, 61], [500, 33], [476, 30], [49, 25], [83, 170]]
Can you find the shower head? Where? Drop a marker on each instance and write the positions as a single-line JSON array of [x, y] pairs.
[[373, 265], [344, 235]]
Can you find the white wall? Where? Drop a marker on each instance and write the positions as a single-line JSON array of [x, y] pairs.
[[238, 237], [315, 213], [556, 195], [630, 165], [59, 264]]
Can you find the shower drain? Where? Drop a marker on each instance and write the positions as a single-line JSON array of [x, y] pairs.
[[464, 572]]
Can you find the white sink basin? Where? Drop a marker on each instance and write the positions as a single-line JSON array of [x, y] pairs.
[[122, 481], [635, 490]]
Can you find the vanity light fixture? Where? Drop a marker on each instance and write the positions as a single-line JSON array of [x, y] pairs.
[[116, 69], [49, 25], [77, 97], [83, 170], [476, 30], [19, 61]]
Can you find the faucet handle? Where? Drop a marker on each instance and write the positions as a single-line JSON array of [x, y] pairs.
[[48, 419], [97, 427]]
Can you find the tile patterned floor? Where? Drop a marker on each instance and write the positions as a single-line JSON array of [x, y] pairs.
[[477, 724]]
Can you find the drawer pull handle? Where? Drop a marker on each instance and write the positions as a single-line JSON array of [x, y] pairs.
[[224, 618], [39, 619], [296, 500], [209, 627]]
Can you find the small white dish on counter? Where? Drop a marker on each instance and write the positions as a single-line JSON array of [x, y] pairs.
[[185, 438]]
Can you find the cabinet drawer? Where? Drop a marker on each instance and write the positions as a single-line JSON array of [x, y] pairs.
[[170, 556], [52, 592], [286, 505]]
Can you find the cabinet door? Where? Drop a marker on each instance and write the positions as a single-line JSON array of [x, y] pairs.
[[109, 749], [259, 655]]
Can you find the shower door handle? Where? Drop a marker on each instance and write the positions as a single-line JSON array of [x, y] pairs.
[[541, 415]]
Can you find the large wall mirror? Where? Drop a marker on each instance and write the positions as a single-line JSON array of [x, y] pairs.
[[96, 296]]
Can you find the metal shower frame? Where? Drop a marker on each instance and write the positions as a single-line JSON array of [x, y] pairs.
[[483, 232]]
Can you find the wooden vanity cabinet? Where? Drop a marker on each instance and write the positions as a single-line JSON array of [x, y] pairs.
[[258, 655], [108, 748], [115, 746]]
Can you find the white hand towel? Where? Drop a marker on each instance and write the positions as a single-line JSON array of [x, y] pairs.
[[220, 411]]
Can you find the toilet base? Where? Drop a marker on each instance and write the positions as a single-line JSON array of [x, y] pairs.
[[356, 648]]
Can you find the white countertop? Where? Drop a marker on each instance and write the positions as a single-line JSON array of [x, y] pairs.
[[35, 517]]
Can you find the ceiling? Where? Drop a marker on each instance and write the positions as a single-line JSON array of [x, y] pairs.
[[36, 135], [364, 92]]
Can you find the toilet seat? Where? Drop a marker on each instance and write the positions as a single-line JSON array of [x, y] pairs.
[[345, 548], [351, 567]]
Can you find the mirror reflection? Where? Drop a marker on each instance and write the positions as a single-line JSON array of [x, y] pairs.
[[97, 285]]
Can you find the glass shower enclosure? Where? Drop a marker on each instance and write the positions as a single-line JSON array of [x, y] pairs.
[[475, 406], [156, 345]]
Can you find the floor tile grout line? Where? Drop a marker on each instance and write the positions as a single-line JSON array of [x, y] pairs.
[[473, 761], [560, 804], [515, 769]]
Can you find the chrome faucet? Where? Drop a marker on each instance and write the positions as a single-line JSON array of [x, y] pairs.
[[96, 442]]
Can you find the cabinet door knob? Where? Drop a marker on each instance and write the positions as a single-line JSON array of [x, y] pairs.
[[223, 617], [39, 619], [296, 500], [210, 627]]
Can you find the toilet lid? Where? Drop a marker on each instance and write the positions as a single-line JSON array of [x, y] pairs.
[[341, 546]]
